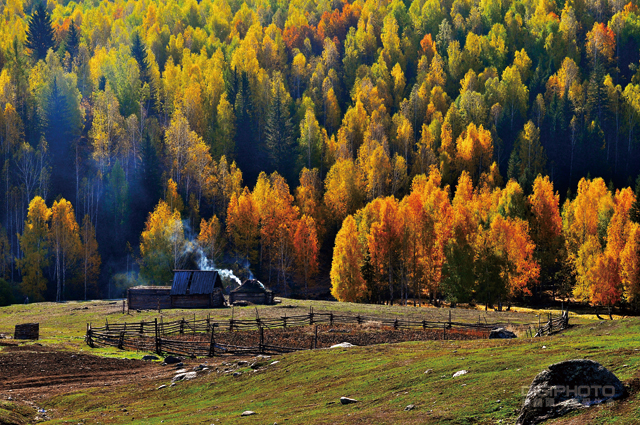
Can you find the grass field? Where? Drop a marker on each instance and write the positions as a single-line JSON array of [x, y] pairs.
[[304, 388]]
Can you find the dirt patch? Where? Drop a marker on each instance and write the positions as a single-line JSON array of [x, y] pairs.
[[33, 372], [297, 338], [303, 336]]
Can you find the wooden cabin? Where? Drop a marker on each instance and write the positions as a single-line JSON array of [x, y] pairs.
[[196, 289], [251, 291], [190, 289], [149, 297]]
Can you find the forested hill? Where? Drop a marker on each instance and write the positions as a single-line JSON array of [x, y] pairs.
[[142, 136]]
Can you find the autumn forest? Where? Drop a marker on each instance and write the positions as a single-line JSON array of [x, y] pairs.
[[383, 150]]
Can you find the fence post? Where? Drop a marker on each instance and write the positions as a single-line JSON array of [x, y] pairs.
[[142, 326], [449, 318], [261, 344], [395, 324], [330, 319], [444, 331], [315, 343], [310, 316], [106, 324], [182, 326], [359, 319], [121, 341], [424, 324], [284, 321], [212, 343], [157, 339], [230, 325], [122, 306]]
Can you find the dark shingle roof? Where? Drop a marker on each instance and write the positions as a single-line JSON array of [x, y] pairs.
[[195, 282], [251, 286]]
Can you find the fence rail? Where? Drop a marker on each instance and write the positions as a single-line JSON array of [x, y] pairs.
[[553, 325], [197, 337]]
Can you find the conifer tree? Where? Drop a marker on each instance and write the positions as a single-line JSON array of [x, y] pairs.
[[139, 53], [279, 129], [73, 40], [40, 33]]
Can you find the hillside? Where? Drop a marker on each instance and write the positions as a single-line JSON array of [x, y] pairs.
[[481, 150]]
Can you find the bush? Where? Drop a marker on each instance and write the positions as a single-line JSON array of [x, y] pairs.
[[6, 294]]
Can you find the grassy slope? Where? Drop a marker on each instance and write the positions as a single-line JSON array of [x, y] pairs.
[[305, 387]]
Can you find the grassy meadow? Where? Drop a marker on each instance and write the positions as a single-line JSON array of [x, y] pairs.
[[305, 387]]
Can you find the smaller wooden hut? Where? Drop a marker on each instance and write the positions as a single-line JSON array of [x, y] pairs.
[[251, 291], [149, 297]]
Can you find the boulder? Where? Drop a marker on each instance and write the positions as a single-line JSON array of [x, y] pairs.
[[172, 360], [501, 333], [567, 386], [248, 413], [347, 400]]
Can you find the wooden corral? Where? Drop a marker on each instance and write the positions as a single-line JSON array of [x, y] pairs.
[[27, 331], [190, 289], [251, 291]]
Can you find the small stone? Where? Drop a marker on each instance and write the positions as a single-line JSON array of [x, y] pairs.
[[460, 373], [342, 345], [150, 358], [181, 371], [185, 376], [428, 371], [544, 346], [275, 362], [248, 413], [171, 360], [161, 387], [347, 400], [179, 365], [237, 373], [173, 384], [409, 407]]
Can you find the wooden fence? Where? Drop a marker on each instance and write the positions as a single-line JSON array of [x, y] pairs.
[[553, 324], [198, 337]]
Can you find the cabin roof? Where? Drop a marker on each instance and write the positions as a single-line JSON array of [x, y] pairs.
[[195, 282], [251, 286]]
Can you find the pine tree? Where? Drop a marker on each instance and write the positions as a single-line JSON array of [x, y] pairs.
[[40, 33], [73, 40], [139, 53], [279, 130]]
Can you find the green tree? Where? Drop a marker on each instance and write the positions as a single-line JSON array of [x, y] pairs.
[[40, 32], [118, 203], [139, 53], [279, 129], [72, 41]]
